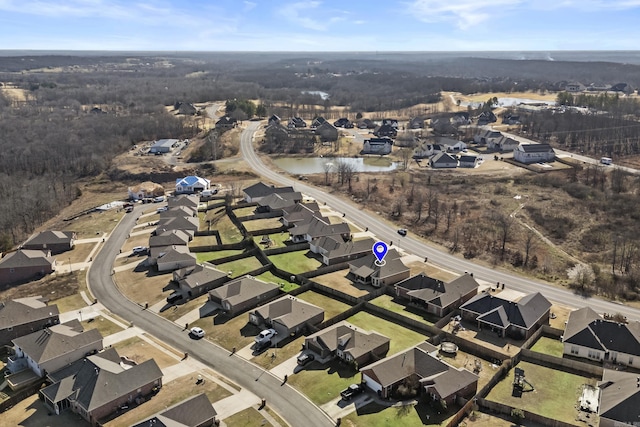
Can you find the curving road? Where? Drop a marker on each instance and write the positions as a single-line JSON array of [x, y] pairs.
[[294, 407], [388, 233]]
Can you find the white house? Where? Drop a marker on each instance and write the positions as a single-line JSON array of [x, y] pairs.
[[533, 153], [443, 160], [377, 146], [192, 184]]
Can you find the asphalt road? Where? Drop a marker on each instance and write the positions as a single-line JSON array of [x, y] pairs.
[[290, 404], [388, 234]]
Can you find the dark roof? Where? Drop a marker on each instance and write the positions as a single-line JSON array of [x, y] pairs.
[[452, 381], [289, 311], [261, 189], [366, 266], [168, 238], [443, 158], [280, 200], [350, 248], [191, 412], [202, 275], [226, 121], [535, 148], [348, 338], [619, 396], [468, 159], [242, 289], [21, 311], [183, 200], [26, 258], [524, 313], [50, 238], [586, 328], [437, 292], [319, 227]]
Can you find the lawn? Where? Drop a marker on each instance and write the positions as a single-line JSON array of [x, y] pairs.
[[281, 354], [550, 346], [246, 211], [262, 224], [94, 224], [236, 332], [170, 394], [555, 393], [295, 262], [32, 412], [277, 240], [229, 233], [387, 301], [401, 338], [376, 415], [249, 417], [331, 306], [144, 286], [179, 310], [322, 383], [215, 255], [138, 240], [285, 285], [139, 351], [105, 326], [69, 303], [338, 280], [79, 253], [240, 267]]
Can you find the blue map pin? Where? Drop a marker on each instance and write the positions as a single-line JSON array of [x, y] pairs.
[[380, 250]]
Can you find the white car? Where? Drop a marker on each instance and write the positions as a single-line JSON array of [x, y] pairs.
[[162, 209], [266, 335], [140, 250], [196, 332]]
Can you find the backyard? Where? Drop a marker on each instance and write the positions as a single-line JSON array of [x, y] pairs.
[[338, 280], [376, 415], [295, 262], [262, 224], [240, 267], [331, 306], [554, 395], [229, 233], [550, 346], [401, 338], [215, 255], [388, 302], [276, 240], [285, 285]]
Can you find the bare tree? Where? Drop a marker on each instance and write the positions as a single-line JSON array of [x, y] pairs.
[[327, 168], [503, 223], [418, 204], [582, 276], [529, 245], [405, 155]]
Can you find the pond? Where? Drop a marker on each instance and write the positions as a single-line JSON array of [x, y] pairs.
[[321, 94], [309, 165], [510, 102]]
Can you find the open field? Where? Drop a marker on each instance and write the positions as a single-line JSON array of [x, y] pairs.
[[143, 286], [338, 281], [388, 302], [105, 326], [295, 262], [401, 338], [139, 350], [555, 394], [240, 267], [171, 393], [376, 415], [94, 224], [322, 383], [331, 306]]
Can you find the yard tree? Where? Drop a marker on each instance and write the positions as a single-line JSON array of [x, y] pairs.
[[503, 224], [529, 243]]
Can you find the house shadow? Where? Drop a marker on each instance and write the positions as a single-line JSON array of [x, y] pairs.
[[369, 408], [342, 369], [417, 310], [248, 330], [432, 413], [40, 414]]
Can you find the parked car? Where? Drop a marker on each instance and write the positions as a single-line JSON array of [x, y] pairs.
[[196, 332], [140, 250], [352, 390], [162, 209], [402, 231], [266, 335], [305, 358], [262, 345], [158, 199], [175, 296]]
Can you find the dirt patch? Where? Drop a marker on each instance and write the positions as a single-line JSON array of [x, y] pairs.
[[52, 287], [139, 351], [338, 281]]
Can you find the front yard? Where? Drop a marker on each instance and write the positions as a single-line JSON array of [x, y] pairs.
[[143, 286], [322, 383], [140, 350], [236, 332]]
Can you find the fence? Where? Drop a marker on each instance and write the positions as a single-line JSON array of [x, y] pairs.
[[336, 319], [20, 396], [402, 320], [462, 412], [232, 258], [559, 363], [265, 231], [286, 249], [246, 243], [327, 291], [529, 416], [326, 270]]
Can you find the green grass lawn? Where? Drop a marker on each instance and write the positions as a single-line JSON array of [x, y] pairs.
[[277, 240], [322, 383], [262, 224], [236, 332], [376, 415], [386, 301], [266, 360], [401, 338], [270, 277], [240, 267], [331, 306], [550, 346], [229, 233], [555, 393], [105, 326], [295, 262], [215, 255]]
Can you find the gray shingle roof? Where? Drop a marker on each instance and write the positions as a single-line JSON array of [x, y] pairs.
[[619, 396], [191, 412], [586, 328], [26, 258], [242, 289], [261, 189], [25, 310], [50, 237], [437, 292], [289, 311], [366, 266], [348, 338], [524, 313]]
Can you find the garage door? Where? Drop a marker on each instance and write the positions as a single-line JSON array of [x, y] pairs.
[[371, 383]]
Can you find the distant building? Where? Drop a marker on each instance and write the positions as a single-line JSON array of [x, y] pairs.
[[534, 153], [163, 146], [54, 241], [192, 184], [25, 264], [380, 146]]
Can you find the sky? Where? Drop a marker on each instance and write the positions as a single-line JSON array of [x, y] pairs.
[[320, 25]]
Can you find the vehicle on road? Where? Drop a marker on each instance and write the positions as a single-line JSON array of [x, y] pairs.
[[175, 296], [606, 161], [196, 332], [402, 231], [305, 358], [162, 209], [352, 390], [140, 250], [266, 335]]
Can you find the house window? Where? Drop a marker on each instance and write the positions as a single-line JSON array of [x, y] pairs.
[[630, 360], [594, 354], [574, 349], [12, 270]]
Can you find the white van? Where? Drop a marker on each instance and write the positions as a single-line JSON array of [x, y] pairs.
[[606, 161]]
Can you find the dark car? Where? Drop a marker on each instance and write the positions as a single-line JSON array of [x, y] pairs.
[[402, 231], [352, 390], [305, 358], [262, 345], [175, 296]]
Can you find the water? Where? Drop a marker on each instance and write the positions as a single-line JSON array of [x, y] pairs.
[[510, 102], [309, 165], [321, 94]]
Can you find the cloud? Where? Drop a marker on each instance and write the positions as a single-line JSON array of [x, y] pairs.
[[249, 5], [300, 14], [464, 13]]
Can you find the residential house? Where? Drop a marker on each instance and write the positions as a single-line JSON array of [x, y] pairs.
[[163, 146], [348, 343], [186, 108], [296, 122], [172, 258], [188, 224], [337, 251], [317, 122], [192, 184], [343, 123], [273, 120], [288, 315], [426, 150], [242, 294], [187, 200], [196, 411], [379, 146], [145, 190], [466, 161], [486, 136], [367, 124], [622, 87], [534, 153], [504, 144], [417, 122], [199, 279], [461, 118], [281, 139], [450, 145], [517, 319], [443, 160], [53, 348], [179, 211], [169, 238], [511, 119], [226, 123], [436, 296], [259, 190], [486, 117], [327, 132], [587, 335], [300, 212], [574, 87], [25, 264], [368, 271], [54, 241], [436, 379], [22, 316], [390, 122], [386, 131], [276, 202], [443, 126], [619, 399], [98, 385], [318, 227]]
